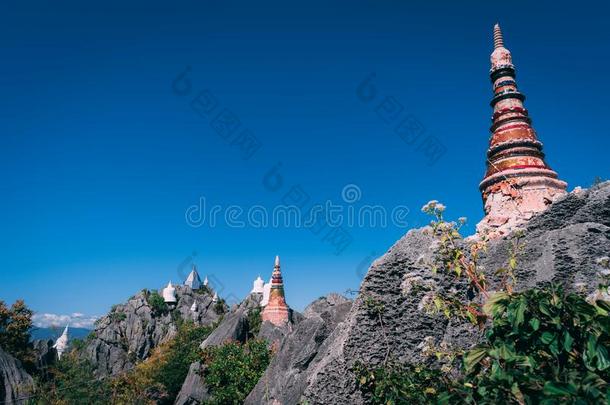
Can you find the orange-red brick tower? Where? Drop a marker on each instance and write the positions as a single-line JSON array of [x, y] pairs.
[[276, 311], [518, 182]]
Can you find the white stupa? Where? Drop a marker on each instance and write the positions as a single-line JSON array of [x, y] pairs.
[[205, 281], [258, 286], [266, 292], [169, 294], [215, 298], [193, 279], [61, 345]]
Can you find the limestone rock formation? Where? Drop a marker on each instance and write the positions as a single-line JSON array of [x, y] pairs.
[[562, 244], [15, 382], [285, 379], [194, 390], [131, 330], [234, 327]]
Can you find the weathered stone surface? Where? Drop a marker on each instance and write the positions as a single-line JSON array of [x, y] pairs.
[[193, 390], [46, 355], [285, 379], [234, 325], [15, 382], [132, 330], [562, 244]]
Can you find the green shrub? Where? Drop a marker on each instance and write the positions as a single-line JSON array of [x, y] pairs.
[[219, 307], [399, 384], [543, 347], [233, 369], [72, 381], [181, 352], [117, 316], [254, 321], [157, 303]]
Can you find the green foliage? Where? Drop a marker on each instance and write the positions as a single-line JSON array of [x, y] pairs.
[[543, 347], [254, 321], [157, 303], [219, 307], [117, 316], [181, 352], [399, 384], [204, 289], [71, 381], [15, 325], [233, 369]]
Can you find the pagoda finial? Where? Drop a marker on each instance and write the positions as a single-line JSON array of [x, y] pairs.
[[498, 39], [277, 261]]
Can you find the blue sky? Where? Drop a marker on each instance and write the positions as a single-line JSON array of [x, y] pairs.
[[101, 158]]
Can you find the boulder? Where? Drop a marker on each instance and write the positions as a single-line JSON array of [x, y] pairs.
[[15, 383]]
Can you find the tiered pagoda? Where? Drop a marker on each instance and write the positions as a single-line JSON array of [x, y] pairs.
[[518, 182], [276, 310]]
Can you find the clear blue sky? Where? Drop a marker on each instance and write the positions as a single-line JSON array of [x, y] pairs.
[[100, 158]]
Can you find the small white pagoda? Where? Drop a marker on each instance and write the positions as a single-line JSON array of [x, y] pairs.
[[61, 345], [258, 286], [193, 279], [169, 294], [215, 298]]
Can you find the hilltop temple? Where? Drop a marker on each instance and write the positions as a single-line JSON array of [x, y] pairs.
[[518, 182], [275, 309]]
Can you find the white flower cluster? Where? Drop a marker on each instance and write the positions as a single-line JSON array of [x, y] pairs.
[[433, 205]]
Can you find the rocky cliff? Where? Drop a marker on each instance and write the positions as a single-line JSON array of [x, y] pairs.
[[15, 382], [235, 326], [131, 330], [563, 244], [285, 380]]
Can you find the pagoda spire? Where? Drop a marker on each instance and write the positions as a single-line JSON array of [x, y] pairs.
[[498, 40], [518, 182], [276, 311]]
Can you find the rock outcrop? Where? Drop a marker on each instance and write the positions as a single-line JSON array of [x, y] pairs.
[[132, 330], [285, 379], [15, 383], [235, 326], [563, 244]]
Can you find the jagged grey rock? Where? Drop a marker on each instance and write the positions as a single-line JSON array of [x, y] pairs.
[[285, 379], [15, 383], [132, 330], [46, 355], [234, 325], [194, 390], [562, 244]]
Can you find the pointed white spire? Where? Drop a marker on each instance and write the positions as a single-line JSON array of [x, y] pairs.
[[215, 298], [193, 279], [62, 342], [277, 261], [205, 281]]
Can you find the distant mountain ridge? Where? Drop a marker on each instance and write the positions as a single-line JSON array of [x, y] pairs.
[[54, 333]]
